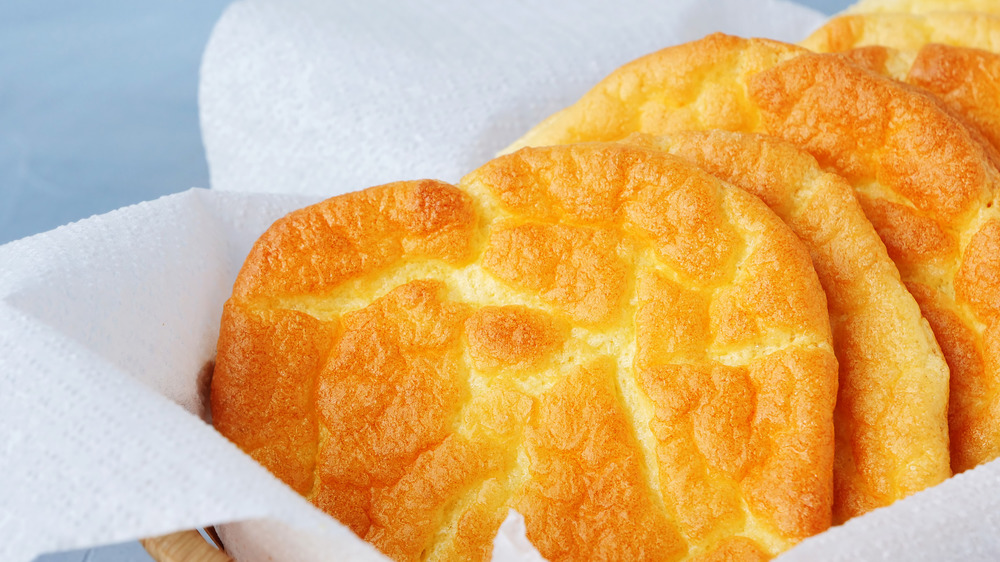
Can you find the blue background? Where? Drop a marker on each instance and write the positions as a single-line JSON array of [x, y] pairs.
[[98, 110], [98, 106]]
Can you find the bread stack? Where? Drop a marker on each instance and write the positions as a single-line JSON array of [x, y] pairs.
[[740, 291]]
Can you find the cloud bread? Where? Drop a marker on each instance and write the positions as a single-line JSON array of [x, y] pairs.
[[967, 81], [884, 347], [924, 6], [920, 175], [907, 31], [633, 354]]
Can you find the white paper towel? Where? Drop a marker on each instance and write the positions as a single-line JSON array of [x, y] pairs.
[[296, 93], [100, 433], [958, 519], [106, 325], [106, 329]]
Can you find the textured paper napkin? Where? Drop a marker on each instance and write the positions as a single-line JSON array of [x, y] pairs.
[[105, 330], [106, 326], [297, 92]]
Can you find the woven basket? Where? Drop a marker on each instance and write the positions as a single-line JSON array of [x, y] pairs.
[[186, 546]]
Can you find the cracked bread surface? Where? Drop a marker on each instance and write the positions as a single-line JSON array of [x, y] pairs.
[[884, 347], [923, 179], [908, 31], [631, 353], [965, 80], [923, 6]]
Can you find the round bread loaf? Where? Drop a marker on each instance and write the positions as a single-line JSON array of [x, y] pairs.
[[884, 346], [965, 80], [924, 6], [907, 31], [923, 179], [631, 353]]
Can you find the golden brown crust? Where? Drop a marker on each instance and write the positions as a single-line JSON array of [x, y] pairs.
[[928, 188], [574, 267], [736, 548], [274, 357], [882, 344], [449, 389], [876, 130], [512, 337], [670, 90], [909, 31], [919, 174], [587, 488], [364, 232], [924, 6], [966, 80]]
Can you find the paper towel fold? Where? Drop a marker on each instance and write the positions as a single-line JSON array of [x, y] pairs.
[[296, 92], [105, 325], [101, 436], [958, 519], [106, 329]]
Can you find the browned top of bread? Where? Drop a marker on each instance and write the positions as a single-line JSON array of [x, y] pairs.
[[626, 350], [923, 179], [924, 6], [965, 80], [887, 447], [907, 31], [699, 85]]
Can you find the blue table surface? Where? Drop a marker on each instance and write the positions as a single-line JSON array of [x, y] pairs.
[[98, 110]]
